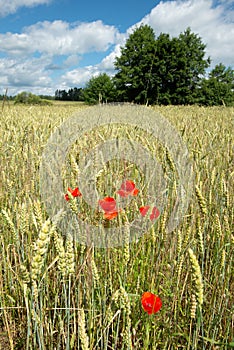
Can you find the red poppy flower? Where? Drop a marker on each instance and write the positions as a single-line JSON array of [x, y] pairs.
[[154, 214], [110, 215], [128, 188], [151, 303], [144, 210], [108, 204], [75, 193]]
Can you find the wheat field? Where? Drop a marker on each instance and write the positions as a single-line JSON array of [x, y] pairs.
[[56, 293]]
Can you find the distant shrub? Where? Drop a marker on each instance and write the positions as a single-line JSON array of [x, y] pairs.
[[31, 99]]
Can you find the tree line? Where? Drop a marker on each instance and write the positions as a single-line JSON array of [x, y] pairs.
[[73, 94], [160, 70]]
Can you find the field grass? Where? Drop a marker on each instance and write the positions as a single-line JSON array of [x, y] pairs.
[[58, 294]]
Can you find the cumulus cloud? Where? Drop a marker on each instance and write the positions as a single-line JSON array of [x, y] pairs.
[[59, 38], [54, 39], [71, 61], [107, 63], [212, 23], [11, 6], [79, 76], [25, 74]]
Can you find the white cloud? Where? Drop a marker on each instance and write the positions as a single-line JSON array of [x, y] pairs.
[[212, 24], [19, 67], [49, 40], [59, 38], [27, 75], [71, 60], [107, 63], [11, 6], [79, 76]]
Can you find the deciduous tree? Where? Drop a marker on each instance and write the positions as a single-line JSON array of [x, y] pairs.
[[160, 70], [218, 89], [99, 89]]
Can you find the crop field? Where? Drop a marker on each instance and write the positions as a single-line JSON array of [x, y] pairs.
[[59, 292]]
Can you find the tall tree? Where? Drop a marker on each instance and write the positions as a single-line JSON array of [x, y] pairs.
[[218, 89], [191, 66], [134, 67], [61, 95], [161, 70], [99, 89]]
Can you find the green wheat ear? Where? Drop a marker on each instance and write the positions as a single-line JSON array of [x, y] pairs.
[[11, 226], [70, 257], [201, 201], [41, 247], [200, 235], [84, 339], [95, 274], [37, 214], [193, 307], [197, 276], [58, 242]]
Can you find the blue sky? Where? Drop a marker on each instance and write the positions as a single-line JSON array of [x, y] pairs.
[[58, 44]]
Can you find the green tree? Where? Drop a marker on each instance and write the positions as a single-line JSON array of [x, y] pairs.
[[29, 98], [189, 67], [163, 70], [218, 89], [99, 89], [133, 80], [75, 94]]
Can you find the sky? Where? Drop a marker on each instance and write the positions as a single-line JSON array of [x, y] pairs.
[[60, 44]]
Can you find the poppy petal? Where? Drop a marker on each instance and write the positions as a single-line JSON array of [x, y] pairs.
[[135, 192], [76, 192], [143, 210], [108, 204], [151, 303], [128, 188], [110, 215], [155, 214], [122, 193]]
